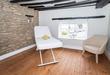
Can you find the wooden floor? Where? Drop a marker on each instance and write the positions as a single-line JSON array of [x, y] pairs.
[[70, 63]]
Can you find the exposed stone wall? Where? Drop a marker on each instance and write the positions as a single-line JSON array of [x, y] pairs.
[[15, 31]]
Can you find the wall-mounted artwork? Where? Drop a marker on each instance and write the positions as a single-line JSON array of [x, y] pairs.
[[73, 31]]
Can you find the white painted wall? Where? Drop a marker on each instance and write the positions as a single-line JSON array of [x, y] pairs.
[[108, 49], [96, 26]]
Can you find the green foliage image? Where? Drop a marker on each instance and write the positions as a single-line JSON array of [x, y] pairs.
[[64, 33]]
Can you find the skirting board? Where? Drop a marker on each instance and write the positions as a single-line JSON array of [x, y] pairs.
[[2, 57], [5, 56], [73, 47]]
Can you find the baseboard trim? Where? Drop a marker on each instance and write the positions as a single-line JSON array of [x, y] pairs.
[[107, 54], [72, 47], [2, 57]]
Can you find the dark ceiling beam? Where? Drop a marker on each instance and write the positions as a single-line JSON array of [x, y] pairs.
[[69, 7], [102, 3], [38, 3], [36, 6], [62, 4], [65, 3], [66, 6], [16, 1]]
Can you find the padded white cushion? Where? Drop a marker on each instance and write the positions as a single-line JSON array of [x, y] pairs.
[[43, 44], [92, 49], [41, 31], [49, 43]]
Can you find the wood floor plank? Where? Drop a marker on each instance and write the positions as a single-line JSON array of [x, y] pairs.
[[71, 62]]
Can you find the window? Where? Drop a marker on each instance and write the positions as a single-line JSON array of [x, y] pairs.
[[73, 31]]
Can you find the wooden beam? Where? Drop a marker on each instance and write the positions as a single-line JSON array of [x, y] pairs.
[[102, 3], [69, 7], [35, 6], [68, 3], [66, 6], [62, 4], [38, 3], [16, 1]]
